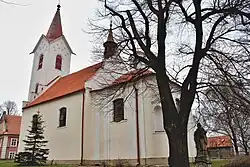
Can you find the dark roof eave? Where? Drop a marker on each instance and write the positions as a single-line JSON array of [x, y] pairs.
[[116, 84], [220, 147], [10, 134]]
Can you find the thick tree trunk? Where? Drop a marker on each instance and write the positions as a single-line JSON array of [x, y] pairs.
[[178, 150], [175, 124]]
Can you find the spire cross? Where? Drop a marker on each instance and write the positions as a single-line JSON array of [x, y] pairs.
[[110, 24], [58, 6]]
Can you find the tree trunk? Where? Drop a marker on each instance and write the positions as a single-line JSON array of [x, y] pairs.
[[236, 147], [178, 150], [242, 135], [246, 150], [175, 123]]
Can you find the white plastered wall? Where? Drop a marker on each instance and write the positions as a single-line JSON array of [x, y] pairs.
[[105, 139], [64, 142], [48, 72]]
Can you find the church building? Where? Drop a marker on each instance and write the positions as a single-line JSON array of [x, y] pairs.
[[104, 113]]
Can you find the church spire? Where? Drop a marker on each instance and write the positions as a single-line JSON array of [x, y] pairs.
[[55, 29], [109, 45], [110, 35]]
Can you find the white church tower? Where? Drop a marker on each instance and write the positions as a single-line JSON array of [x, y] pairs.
[[52, 57]]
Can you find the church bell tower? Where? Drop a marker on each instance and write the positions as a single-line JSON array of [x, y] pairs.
[[51, 60], [110, 46]]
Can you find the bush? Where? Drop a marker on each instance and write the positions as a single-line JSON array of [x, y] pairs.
[[24, 158], [241, 161]]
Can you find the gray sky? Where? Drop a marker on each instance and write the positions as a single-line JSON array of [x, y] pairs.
[[20, 30]]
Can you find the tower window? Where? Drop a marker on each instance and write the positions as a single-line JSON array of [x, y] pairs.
[[62, 117], [118, 110], [58, 64], [40, 64], [36, 88]]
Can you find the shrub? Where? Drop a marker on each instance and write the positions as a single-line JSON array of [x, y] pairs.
[[241, 161], [24, 158]]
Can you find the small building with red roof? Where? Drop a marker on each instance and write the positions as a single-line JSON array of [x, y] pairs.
[[9, 134], [220, 147], [103, 113]]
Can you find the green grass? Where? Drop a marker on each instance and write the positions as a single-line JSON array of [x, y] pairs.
[[216, 163], [4, 163]]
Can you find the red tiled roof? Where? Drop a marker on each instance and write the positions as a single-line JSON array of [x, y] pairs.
[[131, 76], [219, 141], [67, 85], [13, 125]]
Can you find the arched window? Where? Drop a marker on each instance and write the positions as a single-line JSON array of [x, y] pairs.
[[118, 110], [40, 63], [58, 64], [158, 119], [62, 117], [34, 122]]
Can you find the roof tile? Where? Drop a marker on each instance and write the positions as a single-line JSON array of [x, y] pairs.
[[132, 75], [13, 125], [219, 141], [66, 85]]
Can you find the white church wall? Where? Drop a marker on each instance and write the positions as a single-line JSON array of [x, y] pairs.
[[48, 72], [64, 142], [89, 136], [37, 76], [107, 140], [115, 140], [107, 74], [157, 140], [58, 47]]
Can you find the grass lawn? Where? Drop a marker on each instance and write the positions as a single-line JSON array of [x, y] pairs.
[[216, 163], [4, 163]]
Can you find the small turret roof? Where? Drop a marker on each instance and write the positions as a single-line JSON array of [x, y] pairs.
[[110, 34]]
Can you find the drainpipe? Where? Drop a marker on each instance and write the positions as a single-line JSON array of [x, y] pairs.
[[83, 100], [137, 126]]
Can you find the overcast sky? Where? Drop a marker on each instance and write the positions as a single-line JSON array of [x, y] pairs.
[[20, 30]]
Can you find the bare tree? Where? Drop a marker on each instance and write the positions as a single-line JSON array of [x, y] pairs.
[[222, 112], [10, 107], [205, 34], [11, 3]]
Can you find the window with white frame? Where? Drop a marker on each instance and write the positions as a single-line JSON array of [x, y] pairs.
[[13, 142], [62, 117], [158, 119], [12, 155]]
